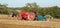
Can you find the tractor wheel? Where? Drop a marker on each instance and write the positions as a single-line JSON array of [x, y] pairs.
[[31, 16], [19, 18]]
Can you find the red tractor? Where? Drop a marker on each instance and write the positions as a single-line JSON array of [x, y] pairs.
[[26, 16]]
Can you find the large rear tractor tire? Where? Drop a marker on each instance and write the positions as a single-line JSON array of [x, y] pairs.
[[31, 16]]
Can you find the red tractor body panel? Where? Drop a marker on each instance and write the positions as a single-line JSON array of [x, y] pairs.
[[25, 15]]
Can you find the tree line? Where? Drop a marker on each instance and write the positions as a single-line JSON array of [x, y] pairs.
[[30, 7]]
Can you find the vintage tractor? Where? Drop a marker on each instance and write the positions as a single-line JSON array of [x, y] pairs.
[[26, 16], [31, 16]]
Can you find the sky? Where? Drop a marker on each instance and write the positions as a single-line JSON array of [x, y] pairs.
[[21, 3]]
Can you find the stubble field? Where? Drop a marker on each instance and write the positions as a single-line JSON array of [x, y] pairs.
[[12, 22]]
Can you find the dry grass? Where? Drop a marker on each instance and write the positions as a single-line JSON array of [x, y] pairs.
[[9, 22]]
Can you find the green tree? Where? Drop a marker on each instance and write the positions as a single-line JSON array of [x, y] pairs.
[[30, 7]]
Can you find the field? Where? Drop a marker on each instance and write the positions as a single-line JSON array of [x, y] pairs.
[[11, 22]]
